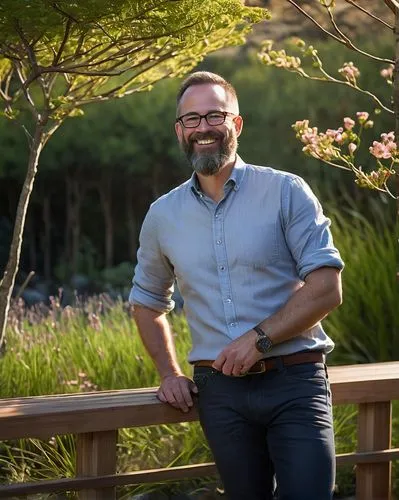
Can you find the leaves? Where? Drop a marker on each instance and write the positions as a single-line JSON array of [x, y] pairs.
[[74, 53]]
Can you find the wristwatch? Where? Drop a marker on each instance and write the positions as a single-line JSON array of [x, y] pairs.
[[263, 342]]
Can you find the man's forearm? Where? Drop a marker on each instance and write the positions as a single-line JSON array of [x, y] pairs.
[[320, 294], [157, 338]]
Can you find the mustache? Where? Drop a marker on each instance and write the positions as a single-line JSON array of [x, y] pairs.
[[206, 135]]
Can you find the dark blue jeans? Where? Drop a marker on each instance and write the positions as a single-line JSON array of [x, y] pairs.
[[271, 426]]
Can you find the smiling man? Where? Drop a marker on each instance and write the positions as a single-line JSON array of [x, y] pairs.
[[255, 263]]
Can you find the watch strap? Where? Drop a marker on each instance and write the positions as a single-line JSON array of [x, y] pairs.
[[259, 331]]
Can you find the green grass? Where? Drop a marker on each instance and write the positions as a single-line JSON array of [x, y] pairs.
[[366, 326]]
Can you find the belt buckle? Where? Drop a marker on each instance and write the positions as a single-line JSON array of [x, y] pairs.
[[261, 370]]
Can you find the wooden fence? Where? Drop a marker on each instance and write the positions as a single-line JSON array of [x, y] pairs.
[[96, 417]]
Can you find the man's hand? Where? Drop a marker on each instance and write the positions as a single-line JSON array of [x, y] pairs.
[[238, 357], [176, 390]]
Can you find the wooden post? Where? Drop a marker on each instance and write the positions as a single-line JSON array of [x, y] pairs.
[[373, 481], [96, 456]]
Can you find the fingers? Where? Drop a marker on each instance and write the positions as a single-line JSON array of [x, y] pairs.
[[238, 357], [176, 390], [219, 361]]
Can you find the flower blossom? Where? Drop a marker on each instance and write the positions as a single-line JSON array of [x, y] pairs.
[[348, 123], [374, 179], [362, 117], [336, 135], [350, 72], [319, 145], [352, 147], [386, 148], [387, 73]]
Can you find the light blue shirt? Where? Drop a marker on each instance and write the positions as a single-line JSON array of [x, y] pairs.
[[237, 261]]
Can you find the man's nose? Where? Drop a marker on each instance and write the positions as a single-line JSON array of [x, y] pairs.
[[203, 125]]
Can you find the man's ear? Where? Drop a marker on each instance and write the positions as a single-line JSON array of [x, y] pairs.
[[179, 131], [238, 123]]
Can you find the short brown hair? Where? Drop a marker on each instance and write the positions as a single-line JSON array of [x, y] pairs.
[[202, 78]]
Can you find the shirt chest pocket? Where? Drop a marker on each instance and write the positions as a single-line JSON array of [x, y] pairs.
[[256, 245]]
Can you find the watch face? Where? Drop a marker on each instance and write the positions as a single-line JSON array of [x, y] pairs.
[[263, 344]]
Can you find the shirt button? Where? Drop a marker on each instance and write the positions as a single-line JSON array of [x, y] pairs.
[[219, 242], [228, 301], [222, 268], [232, 324]]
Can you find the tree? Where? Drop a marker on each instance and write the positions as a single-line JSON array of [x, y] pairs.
[[338, 147], [56, 56]]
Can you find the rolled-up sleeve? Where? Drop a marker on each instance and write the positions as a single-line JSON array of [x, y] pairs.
[[153, 281], [307, 229]]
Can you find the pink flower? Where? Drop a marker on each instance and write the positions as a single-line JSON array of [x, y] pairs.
[[301, 124], [387, 73], [362, 116], [350, 72], [352, 148], [336, 135], [348, 123], [386, 148]]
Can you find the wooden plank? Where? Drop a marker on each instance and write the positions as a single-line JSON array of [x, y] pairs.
[[160, 475], [367, 457], [90, 412], [96, 456], [366, 383], [373, 481], [46, 416], [106, 481]]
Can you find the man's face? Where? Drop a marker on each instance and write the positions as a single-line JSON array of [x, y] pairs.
[[209, 147]]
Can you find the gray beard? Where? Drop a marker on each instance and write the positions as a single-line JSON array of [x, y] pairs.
[[211, 163]]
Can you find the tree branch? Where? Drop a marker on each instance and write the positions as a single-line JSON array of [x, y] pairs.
[[112, 93], [25, 90], [28, 46], [350, 44], [64, 40], [367, 12], [68, 16], [303, 12], [343, 39], [392, 4], [146, 68], [331, 79]]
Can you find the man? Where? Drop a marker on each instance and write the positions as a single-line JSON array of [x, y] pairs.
[[256, 266]]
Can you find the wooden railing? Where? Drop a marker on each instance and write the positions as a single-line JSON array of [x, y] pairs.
[[96, 417]]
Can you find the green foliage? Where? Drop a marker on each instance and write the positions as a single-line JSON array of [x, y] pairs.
[[366, 326], [72, 51]]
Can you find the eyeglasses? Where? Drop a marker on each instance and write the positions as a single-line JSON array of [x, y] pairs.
[[213, 118]]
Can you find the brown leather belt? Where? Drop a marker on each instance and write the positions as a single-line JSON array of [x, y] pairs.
[[265, 365]]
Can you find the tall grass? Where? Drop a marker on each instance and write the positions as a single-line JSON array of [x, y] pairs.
[[366, 326], [95, 346]]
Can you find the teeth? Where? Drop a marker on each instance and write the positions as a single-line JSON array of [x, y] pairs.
[[205, 141]]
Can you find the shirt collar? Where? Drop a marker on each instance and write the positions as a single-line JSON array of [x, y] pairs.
[[236, 177]]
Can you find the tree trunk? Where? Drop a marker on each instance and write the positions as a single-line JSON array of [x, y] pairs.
[[72, 231], [156, 178], [47, 238], [68, 221], [30, 223], [131, 222], [8, 280], [77, 201], [396, 109], [105, 190], [396, 103]]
